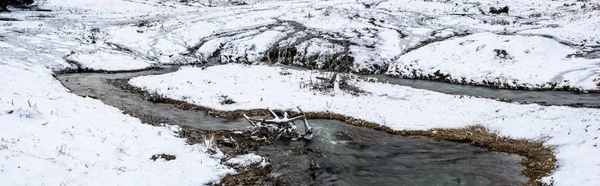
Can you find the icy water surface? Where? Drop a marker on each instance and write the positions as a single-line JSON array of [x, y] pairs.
[[345, 154]]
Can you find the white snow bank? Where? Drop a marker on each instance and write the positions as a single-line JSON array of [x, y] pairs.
[[109, 60], [247, 159], [51, 137], [574, 131], [532, 62]]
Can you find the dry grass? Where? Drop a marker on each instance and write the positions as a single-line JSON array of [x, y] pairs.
[[210, 141], [326, 83]]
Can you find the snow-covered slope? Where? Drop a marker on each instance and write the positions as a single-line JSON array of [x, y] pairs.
[[504, 61], [574, 131], [52, 137], [363, 36]]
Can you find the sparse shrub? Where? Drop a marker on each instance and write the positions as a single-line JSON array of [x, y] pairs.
[[327, 84], [225, 100]]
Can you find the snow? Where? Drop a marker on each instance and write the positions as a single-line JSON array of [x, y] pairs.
[[532, 62], [247, 159], [574, 131], [108, 60]]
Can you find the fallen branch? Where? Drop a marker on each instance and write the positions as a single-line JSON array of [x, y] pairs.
[[282, 124]]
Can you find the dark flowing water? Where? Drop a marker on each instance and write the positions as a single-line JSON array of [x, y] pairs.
[[549, 96], [359, 156], [346, 155]]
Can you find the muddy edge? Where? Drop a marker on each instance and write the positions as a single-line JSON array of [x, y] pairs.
[[539, 162]]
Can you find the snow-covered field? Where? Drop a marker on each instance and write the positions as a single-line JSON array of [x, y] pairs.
[[49, 136], [574, 131]]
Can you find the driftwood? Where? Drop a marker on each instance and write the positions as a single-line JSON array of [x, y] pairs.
[[282, 124]]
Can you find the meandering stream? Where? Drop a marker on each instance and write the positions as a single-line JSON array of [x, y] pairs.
[[345, 154]]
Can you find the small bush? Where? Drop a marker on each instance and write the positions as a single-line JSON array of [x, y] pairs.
[[225, 100]]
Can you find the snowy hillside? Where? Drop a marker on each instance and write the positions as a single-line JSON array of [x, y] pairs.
[[369, 36]]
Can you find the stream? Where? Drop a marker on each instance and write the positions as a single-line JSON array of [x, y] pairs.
[[345, 154], [551, 97]]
